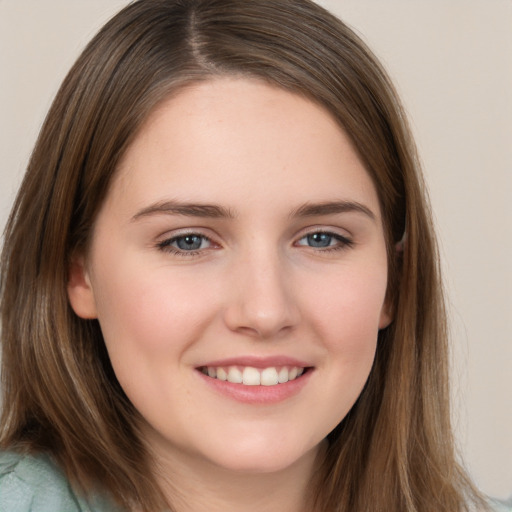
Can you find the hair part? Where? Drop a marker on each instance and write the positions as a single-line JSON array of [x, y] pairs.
[[60, 393]]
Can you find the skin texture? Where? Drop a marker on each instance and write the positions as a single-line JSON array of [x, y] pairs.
[[254, 288]]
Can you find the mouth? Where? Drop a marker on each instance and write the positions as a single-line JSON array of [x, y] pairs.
[[251, 376]]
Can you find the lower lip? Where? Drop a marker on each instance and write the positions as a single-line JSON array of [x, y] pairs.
[[258, 394]]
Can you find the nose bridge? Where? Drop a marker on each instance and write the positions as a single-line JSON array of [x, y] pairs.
[[262, 303]]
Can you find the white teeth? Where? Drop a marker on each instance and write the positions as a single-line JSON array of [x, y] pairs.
[[234, 375], [250, 376], [222, 374], [269, 377], [283, 375]]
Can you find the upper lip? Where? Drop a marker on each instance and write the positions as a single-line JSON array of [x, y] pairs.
[[258, 362]]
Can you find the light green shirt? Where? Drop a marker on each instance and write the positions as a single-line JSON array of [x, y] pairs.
[[501, 506], [35, 484]]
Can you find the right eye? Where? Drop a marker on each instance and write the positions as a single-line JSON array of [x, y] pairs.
[[187, 244], [325, 240]]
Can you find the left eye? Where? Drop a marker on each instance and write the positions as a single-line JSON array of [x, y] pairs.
[[321, 240], [186, 243]]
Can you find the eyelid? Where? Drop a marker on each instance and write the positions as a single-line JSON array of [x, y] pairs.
[[321, 228], [345, 240], [165, 241]]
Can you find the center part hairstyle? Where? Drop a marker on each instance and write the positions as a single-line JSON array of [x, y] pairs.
[[394, 450]]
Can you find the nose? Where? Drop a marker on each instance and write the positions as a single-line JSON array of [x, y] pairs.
[[262, 301]]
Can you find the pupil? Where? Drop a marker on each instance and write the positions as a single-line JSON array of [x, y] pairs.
[[319, 240], [189, 242]]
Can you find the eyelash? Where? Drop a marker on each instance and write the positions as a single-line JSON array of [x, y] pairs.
[[343, 243], [166, 246]]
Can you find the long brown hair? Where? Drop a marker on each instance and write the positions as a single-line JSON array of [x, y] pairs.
[[394, 450]]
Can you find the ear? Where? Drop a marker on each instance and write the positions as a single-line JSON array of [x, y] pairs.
[[386, 316], [80, 292], [387, 312]]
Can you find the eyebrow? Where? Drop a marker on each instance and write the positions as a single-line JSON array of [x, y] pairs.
[[330, 208], [214, 211]]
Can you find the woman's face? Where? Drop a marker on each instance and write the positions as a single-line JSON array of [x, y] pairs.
[[238, 271]]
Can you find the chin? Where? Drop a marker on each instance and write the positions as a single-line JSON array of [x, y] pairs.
[[264, 458]]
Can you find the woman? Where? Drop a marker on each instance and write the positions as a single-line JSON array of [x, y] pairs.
[[220, 286]]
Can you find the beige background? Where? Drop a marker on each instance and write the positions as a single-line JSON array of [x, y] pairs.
[[452, 62]]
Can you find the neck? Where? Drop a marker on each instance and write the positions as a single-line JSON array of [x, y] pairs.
[[195, 485]]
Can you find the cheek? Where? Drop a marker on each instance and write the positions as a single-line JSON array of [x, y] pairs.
[[342, 317], [148, 315], [349, 310], [346, 319]]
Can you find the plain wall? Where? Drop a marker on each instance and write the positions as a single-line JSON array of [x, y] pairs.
[[452, 63]]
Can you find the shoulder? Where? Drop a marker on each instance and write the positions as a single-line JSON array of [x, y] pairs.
[[33, 484], [501, 506], [36, 484]]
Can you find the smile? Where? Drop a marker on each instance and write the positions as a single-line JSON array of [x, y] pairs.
[[250, 376]]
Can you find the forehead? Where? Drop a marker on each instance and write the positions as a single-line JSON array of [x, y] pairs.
[[226, 136]]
